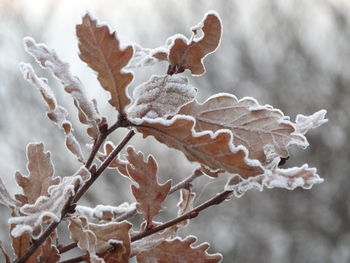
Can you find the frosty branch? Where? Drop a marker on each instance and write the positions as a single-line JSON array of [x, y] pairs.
[[224, 135]]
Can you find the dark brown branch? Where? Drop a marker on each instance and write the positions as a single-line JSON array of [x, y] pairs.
[[77, 259], [103, 166], [68, 247], [186, 183], [67, 208], [218, 199]]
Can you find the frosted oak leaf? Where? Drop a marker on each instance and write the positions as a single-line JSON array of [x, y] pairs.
[[161, 96], [100, 49], [189, 54], [214, 150], [149, 193], [41, 174], [251, 124]]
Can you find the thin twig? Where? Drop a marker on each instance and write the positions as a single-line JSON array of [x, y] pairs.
[[103, 166], [189, 215], [186, 183], [68, 247], [67, 208]]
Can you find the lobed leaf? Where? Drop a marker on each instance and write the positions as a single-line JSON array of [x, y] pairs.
[[149, 194], [178, 251], [41, 174], [252, 125], [214, 150], [101, 51], [161, 96], [189, 54], [104, 242]]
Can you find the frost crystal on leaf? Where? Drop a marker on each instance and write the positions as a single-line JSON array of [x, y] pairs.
[[161, 96], [306, 123], [146, 56], [105, 212], [56, 113], [289, 178], [49, 59]]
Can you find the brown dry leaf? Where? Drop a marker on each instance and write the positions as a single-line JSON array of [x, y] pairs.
[[214, 150], [149, 194], [100, 50], [189, 54], [117, 163], [146, 56], [251, 124], [179, 251], [21, 244], [110, 242], [41, 174], [161, 96], [49, 252], [185, 204]]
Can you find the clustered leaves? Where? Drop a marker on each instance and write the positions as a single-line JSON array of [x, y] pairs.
[[224, 135]]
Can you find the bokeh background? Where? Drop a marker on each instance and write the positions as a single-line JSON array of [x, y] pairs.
[[292, 54]]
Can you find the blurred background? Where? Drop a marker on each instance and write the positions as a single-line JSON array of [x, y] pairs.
[[294, 55]]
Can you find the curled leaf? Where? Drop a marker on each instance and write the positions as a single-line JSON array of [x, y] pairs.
[[49, 59], [161, 96], [116, 163], [149, 194], [305, 123], [101, 51], [56, 113], [105, 212], [47, 208], [214, 150], [289, 178], [146, 56], [189, 54]]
